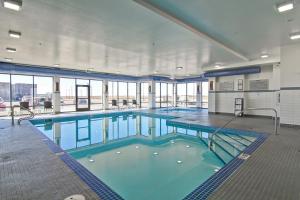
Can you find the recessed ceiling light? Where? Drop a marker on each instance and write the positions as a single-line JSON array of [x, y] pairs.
[[8, 59], [295, 36], [179, 68], [14, 34], [11, 50], [218, 66], [286, 6], [12, 4], [56, 65], [264, 56]]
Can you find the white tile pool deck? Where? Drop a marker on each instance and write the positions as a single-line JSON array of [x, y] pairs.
[[29, 170]]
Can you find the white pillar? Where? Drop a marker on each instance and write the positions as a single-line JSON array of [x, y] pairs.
[[138, 94], [212, 95], [151, 91], [56, 95], [105, 94], [175, 94]]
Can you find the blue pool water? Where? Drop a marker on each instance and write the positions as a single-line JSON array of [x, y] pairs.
[[143, 156]]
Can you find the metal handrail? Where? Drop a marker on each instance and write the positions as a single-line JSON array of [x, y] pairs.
[[242, 112], [22, 118]]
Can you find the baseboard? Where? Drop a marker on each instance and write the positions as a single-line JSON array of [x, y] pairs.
[[290, 125]]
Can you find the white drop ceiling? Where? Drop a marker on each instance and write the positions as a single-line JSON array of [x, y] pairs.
[[123, 36]]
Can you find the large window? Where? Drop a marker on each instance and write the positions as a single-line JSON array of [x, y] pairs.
[[4, 94], [204, 99], [163, 94], [22, 92], [43, 94], [132, 93], [123, 94], [170, 94], [157, 95], [67, 93], [191, 94], [112, 94], [96, 95], [181, 95], [144, 95]]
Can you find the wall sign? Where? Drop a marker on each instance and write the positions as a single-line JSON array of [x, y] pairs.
[[227, 86], [240, 84], [259, 84]]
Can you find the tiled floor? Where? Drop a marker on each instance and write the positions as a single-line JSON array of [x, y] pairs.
[[28, 169]]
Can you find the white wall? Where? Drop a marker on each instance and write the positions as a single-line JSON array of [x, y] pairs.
[[224, 100], [290, 84]]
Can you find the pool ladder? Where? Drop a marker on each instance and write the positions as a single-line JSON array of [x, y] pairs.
[[31, 114], [237, 115]]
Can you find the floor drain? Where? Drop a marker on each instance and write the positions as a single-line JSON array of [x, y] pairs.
[[244, 156], [75, 197]]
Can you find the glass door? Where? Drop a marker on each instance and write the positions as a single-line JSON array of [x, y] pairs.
[[82, 97]]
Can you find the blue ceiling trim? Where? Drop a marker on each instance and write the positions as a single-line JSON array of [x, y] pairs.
[[52, 71], [200, 78], [232, 72], [39, 70]]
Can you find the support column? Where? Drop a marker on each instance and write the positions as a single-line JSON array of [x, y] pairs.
[[199, 95], [151, 91], [138, 94], [56, 95], [105, 94], [212, 95], [175, 94]]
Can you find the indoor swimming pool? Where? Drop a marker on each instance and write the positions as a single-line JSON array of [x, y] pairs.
[[145, 156]]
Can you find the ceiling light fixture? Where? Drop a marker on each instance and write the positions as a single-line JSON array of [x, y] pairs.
[[12, 4], [264, 56], [8, 59], [295, 36], [179, 68], [14, 34], [11, 50], [285, 6], [56, 65], [218, 65], [155, 72]]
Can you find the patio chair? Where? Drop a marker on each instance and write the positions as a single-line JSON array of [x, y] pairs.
[[134, 103], [125, 104], [48, 105], [114, 103]]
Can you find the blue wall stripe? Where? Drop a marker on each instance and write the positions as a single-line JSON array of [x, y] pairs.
[[232, 72]]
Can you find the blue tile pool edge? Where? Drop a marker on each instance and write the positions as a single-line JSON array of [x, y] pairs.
[[212, 183], [103, 191], [200, 193]]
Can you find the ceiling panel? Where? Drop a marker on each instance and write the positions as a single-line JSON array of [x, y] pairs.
[[121, 36]]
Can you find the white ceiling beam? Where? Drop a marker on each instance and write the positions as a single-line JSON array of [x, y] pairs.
[[190, 27]]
